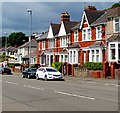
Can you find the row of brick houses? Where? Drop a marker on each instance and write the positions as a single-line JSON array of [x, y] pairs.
[[95, 38]]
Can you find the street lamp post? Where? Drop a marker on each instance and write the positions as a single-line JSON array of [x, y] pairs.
[[5, 46], [30, 12]]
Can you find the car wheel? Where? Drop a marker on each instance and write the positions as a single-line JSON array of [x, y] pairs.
[[28, 76], [37, 77], [23, 76], [45, 78]]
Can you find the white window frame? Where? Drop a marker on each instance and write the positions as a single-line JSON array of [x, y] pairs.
[[73, 56], [85, 36], [98, 33], [116, 51], [115, 24], [76, 36], [43, 45], [95, 54], [51, 43], [65, 39]]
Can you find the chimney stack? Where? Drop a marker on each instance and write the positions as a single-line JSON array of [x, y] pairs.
[[90, 8], [65, 16]]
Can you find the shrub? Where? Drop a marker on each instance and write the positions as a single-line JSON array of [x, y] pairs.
[[94, 65], [57, 65], [10, 65]]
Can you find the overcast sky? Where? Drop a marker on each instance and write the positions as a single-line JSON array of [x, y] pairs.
[[15, 17]]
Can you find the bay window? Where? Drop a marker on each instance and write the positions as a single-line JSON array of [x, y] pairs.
[[112, 50], [95, 55]]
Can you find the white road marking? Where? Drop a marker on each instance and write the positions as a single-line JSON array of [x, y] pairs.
[[86, 97], [11, 82], [33, 87], [92, 82]]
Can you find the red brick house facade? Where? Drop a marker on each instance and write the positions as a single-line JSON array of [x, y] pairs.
[[76, 42]]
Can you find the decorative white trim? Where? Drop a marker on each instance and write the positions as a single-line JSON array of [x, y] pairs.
[[62, 31], [84, 15], [50, 33], [98, 31]]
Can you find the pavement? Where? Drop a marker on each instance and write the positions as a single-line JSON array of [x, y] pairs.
[[87, 79]]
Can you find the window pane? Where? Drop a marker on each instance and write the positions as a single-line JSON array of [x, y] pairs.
[[97, 51], [93, 57], [92, 51], [117, 27], [113, 54], [97, 58]]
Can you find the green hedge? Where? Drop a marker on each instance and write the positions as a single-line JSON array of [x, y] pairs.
[[57, 65], [94, 65]]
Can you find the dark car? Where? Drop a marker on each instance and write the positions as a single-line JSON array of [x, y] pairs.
[[29, 72], [6, 70]]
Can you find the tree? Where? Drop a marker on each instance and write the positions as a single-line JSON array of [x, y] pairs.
[[116, 5], [17, 39]]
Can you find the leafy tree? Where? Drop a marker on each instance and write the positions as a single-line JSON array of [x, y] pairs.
[[116, 5], [17, 39]]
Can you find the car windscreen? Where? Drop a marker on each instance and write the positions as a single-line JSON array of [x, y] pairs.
[[51, 70], [32, 69]]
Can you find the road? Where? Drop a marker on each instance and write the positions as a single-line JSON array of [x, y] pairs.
[[22, 94]]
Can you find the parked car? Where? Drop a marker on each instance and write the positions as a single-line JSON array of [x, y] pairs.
[[5, 70], [29, 72], [47, 73]]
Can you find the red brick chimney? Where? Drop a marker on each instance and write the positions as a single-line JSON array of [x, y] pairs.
[[90, 8], [65, 16]]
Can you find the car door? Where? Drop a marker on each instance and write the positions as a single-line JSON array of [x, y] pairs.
[[39, 72], [43, 73], [26, 72]]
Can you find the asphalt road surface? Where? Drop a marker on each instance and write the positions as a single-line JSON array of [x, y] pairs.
[[73, 94]]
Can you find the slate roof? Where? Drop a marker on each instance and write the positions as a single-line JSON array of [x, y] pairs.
[[68, 25], [74, 45], [43, 36], [109, 13], [55, 28], [97, 44], [115, 12], [93, 15], [33, 44], [114, 38], [76, 27]]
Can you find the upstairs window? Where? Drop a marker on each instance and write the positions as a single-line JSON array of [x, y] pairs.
[[86, 34], [117, 24], [51, 43], [98, 32], [63, 41], [76, 36], [43, 45]]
